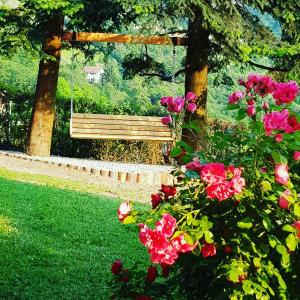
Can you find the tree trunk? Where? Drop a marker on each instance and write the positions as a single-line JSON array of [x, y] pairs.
[[42, 118], [196, 77]]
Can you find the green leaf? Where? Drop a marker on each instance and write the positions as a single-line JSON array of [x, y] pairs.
[[266, 185], [267, 222], [129, 220], [297, 209], [191, 174], [208, 237], [278, 158], [288, 228], [291, 242], [245, 223], [175, 152], [272, 241], [233, 106]]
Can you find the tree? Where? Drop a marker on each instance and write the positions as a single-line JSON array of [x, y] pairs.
[[220, 33], [32, 22]]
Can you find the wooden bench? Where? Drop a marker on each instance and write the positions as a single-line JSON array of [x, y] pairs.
[[119, 127]]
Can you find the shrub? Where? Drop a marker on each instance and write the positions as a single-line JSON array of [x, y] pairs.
[[228, 229]]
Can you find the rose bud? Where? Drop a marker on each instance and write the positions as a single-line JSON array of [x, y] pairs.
[[116, 267], [152, 274], [155, 200]]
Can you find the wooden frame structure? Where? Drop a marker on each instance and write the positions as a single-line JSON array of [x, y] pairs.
[[123, 38]]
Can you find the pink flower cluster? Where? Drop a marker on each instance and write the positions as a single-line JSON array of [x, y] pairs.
[[177, 105], [285, 92], [163, 249], [280, 120], [261, 84], [215, 176], [282, 92]]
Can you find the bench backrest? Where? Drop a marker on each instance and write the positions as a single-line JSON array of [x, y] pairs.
[[119, 127]]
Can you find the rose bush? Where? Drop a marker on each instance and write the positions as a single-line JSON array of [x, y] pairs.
[[227, 229]]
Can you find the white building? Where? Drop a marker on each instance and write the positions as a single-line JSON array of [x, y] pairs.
[[94, 74]]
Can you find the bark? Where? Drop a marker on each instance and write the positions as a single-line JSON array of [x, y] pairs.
[[196, 77], [42, 118]]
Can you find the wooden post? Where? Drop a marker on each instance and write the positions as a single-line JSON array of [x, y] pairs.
[[196, 76], [42, 118]]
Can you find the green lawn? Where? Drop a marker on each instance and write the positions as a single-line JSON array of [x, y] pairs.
[[58, 244]]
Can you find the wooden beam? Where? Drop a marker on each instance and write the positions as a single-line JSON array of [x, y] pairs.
[[123, 38]]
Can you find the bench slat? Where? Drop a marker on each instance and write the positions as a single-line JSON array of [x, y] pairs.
[[120, 127], [118, 122], [120, 132], [119, 137], [115, 117]]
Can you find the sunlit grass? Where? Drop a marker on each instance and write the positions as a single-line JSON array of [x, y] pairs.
[[5, 226], [96, 189]]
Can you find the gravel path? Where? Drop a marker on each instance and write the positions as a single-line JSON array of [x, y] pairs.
[[100, 165], [104, 185]]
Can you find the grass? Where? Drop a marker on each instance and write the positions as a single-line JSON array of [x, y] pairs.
[[72, 185], [58, 244]]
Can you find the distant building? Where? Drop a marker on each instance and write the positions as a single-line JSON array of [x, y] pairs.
[[94, 74]]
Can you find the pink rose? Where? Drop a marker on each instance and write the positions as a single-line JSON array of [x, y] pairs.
[[250, 102], [116, 267], [285, 92], [296, 155], [166, 120], [178, 104], [251, 110], [220, 191], [294, 125], [213, 173], [276, 121], [194, 165], [191, 97], [168, 190], [124, 210], [208, 250], [191, 107], [283, 203], [238, 184], [181, 245], [278, 138], [236, 97], [281, 174], [264, 85], [164, 100], [166, 225]]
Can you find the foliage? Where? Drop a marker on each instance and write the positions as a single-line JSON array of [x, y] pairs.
[[239, 31], [233, 227]]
